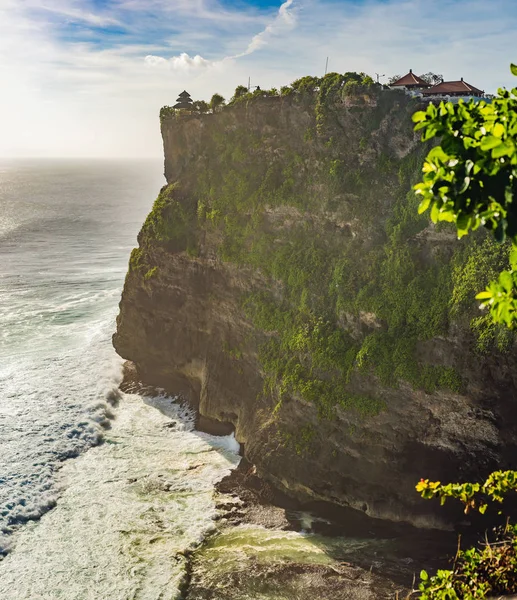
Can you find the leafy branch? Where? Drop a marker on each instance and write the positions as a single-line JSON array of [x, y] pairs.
[[470, 180]]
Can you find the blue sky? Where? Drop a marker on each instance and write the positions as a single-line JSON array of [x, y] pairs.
[[87, 77]]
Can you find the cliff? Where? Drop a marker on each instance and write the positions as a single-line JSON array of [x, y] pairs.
[[285, 283]]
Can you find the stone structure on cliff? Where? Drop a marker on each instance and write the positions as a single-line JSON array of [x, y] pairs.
[[285, 284]]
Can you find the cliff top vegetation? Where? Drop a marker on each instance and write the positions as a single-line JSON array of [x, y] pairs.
[[346, 84]]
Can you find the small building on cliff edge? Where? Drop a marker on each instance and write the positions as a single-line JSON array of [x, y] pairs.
[[410, 83], [446, 90], [453, 90]]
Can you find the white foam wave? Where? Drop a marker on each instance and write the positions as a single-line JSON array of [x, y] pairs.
[[129, 511]]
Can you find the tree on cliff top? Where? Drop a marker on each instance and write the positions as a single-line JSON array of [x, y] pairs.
[[216, 102], [470, 179], [432, 78], [240, 91], [200, 106]]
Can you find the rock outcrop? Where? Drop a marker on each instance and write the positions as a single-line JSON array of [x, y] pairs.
[[285, 284]]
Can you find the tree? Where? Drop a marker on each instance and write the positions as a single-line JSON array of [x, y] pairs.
[[240, 91], [217, 102], [470, 179], [393, 79], [306, 85], [432, 78], [200, 106]]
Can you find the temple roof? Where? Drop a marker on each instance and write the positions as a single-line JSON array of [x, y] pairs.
[[187, 105], [453, 87], [411, 80], [184, 94]]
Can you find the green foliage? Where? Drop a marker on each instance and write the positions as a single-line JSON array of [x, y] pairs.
[[216, 102], [490, 568], [341, 305], [327, 281], [472, 495], [240, 91], [135, 259], [432, 78], [470, 179], [167, 113], [151, 273], [170, 222], [200, 106], [478, 573]]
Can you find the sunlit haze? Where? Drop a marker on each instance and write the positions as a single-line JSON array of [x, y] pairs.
[[88, 77]]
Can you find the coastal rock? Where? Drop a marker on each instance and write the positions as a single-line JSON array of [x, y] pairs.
[[265, 179]]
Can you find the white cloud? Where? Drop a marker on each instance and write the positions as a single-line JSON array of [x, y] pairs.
[[284, 21], [69, 96], [75, 14], [182, 62]]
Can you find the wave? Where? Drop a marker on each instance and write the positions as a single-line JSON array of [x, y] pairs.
[[29, 495], [131, 511]]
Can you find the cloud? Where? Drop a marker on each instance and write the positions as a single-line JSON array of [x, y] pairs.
[[283, 22], [74, 11], [77, 85], [182, 62]]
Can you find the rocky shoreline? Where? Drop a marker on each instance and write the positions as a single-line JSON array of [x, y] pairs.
[[269, 545], [364, 558]]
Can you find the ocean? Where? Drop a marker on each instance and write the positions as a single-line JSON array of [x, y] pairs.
[[100, 492], [104, 494]]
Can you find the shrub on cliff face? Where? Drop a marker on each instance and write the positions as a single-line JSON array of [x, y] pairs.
[[490, 568], [170, 222]]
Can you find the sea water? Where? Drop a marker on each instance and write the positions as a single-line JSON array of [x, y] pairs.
[[101, 493]]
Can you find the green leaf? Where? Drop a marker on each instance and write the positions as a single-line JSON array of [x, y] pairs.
[[507, 148], [424, 205], [424, 576], [513, 258], [484, 295], [435, 213], [513, 69], [489, 142], [462, 222], [506, 280], [498, 130], [419, 116]]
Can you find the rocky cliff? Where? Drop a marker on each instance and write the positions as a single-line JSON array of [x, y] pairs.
[[285, 283]]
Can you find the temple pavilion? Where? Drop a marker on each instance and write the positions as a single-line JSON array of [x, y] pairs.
[[184, 101], [454, 88], [411, 82]]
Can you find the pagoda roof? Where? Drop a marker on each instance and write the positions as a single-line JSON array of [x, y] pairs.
[[411, 80], [453, 87], [187, 105], [184, 94]]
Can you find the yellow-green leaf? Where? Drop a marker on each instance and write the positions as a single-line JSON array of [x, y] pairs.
[[483, 295]]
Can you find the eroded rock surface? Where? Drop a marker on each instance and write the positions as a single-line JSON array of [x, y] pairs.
[[255, 186]]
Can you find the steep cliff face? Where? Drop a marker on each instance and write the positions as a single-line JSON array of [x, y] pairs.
[[285, 283]]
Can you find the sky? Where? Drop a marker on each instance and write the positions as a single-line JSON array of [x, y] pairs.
[[87, 78]]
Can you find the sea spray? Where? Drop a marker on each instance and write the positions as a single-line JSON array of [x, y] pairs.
[[66, 231], [130, 510]]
